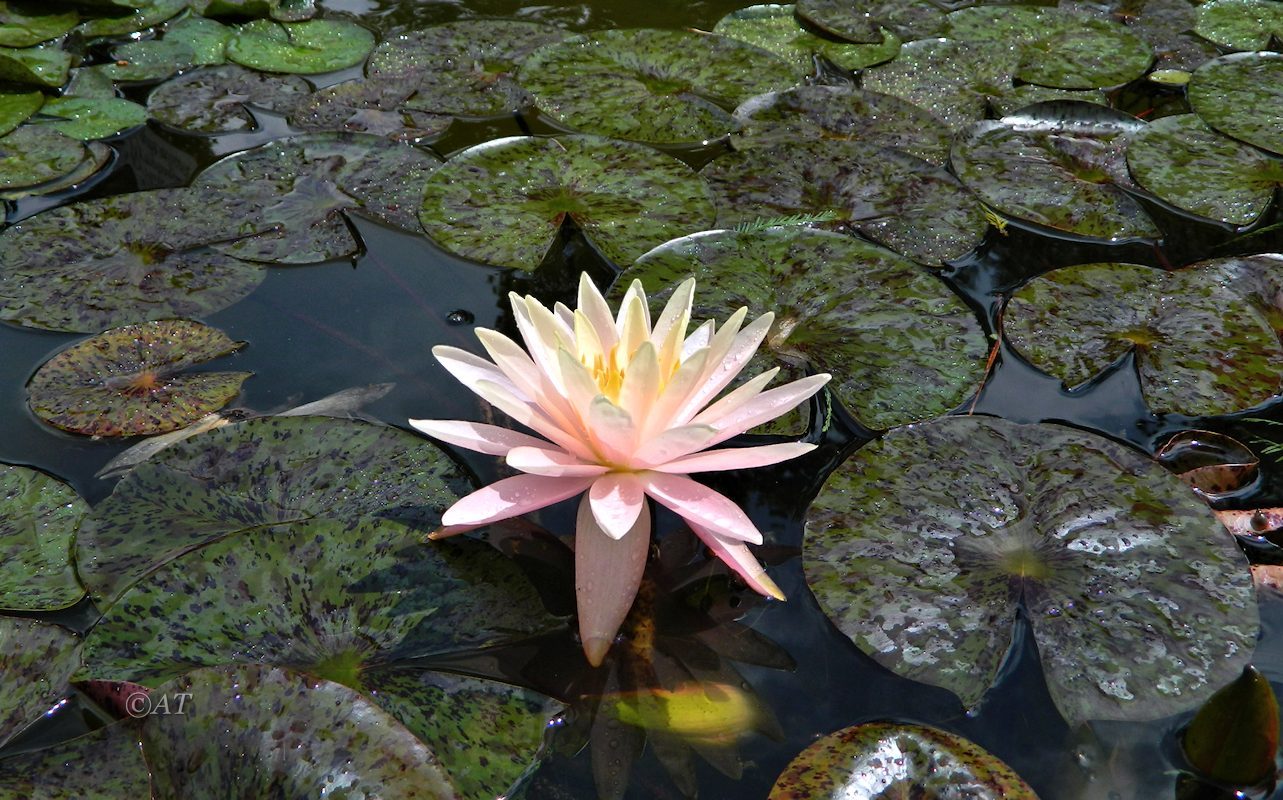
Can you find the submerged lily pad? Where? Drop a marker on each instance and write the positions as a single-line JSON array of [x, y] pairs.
[[126, 258], [36, 663], [884, 759], [132, 381], [142, 14], [368, 106], [23, 24], [305, 184], [895, 199], [39, 517], [922, 545], [31, 155], [864, 20], [1241, 24], [44, 65], [104, 765], [899, 344], [89, 117], [215, 100], [1241, 95], [775, 28], [1195, 168], [16, 107], [503, 202], [658, 86], [312, 47]]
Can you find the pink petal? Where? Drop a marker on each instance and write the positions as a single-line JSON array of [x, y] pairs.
[[512, 497], [517, 365], [641, 382], [532, 416], [679, 388], [612, 429], [616, 501], [735, 458], [767, 406], [489, 439], [738, 557], [608, 572], [552, 463], [737, 397], [673, 444], [700, 505], [593, 306], [725, 364]]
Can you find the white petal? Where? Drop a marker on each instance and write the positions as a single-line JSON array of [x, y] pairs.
[[672, 444], [512, 497], [607, 574], [670, 329], [634, 328], [489, 439], [664, 410], [468, 369], [552, 463], [530, 381], [612, 430], [766, 406], [594, 306], [725, 360], [616, 500], [640, 388], [532, 417], [737, 397], [698, 504], [634, 292], [735, 458], [698, 339]]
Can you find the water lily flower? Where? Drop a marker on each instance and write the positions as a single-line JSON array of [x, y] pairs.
[[627, 410]]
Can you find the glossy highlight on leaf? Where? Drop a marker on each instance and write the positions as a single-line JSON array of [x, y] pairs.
[[214, 100], [774, 28], [39, 516], [140, 15], [16, 107], [306, 48], [1241, 95]]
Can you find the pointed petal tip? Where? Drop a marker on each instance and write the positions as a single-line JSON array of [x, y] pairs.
[[595, 650], [770, 588]]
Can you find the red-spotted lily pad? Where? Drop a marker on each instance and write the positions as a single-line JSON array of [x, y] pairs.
[[1240, 24], [865, 20], [895, 199], [650, 85], [39, 517], [885, 759], [148, 60], [1241, 95], [36, 663], [140, 14], [1200, 348], [23, 24], [32, 155], [370, 106], [87, 118], [774, 28], [1057, 164], [1195, 168], [104, 765], [899, 344], [307, 48], [503, 202], [215, 100], [1258, 278], [122, 259], [43, 65], [922, 546], [134, 381], [305, 184]]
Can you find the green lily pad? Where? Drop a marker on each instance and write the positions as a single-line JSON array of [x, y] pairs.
[[864, 20], [885, 759], [260, 474], [650, 85], [950, 79], [1241, 95], [89, 117], [922, 546], [142, 14], [43, 65], [149, 60], [465, 68], [280, 10], [132, 381], [1240, 24], [123, 259], [1199, 347], [503, 202], [38, 519], [104, 765], [214, 100], [36, 662], [371, 106], [90, 82], [97, 156], [31, 155], [16, 107], [812, 113], [23, 24], [897, 200], [775, 28], [899, 344], [1234, 737], [206, 38], [1195, 168], [1027, 94], [1060, 165], [305, 184], [308, 48]]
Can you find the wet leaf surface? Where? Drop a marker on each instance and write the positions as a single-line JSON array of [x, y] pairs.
[[97, 156], [141, 15], [104, 765], [863, 20], [922, 545], [305, 48], [90, 118], [206, 38], [36, 662], [952, 80], [1199, 348], [23, 24], [899, 344], [16, 107], [1234, 737], [774, 28], [282, 10], [134, 381], [1241, 95], [503, 202], [43, 65], [149, 60], [214, 100], [1240, 24], [376, 107], [31, 155], [39, 517]]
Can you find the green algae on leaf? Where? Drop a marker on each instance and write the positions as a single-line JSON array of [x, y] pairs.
[[39, 517], [141, 14], [1199, 347], [923, 544], [886, 759], [31, 155], [16, 107], [306, 48], [503, 202], [23, 24], [377, 107], [133, 381], [1234, 737], [36, 663], [897, 200], [87, 118], [214, 100], [43, 65], [1241, 95], [865, 20], [775, 28], [104, 765], [1240, 24], [657, 86], [899, 344]]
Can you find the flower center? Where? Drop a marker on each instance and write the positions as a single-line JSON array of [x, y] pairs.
[[608, 375]]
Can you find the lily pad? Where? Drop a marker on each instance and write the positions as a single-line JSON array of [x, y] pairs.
[[308, 48], [504, 201], [897, 200], [922, 546], [1028, 94], [775, 28], [90, 82], [31, 155], [16, 107], [98, 155], [1195, 168], [952, 80], [206, 38], [370, 106], [23, 24], [1213, 464], [39, 517], [142, 14], [43, 65], [864, 20], [304, 185], [1240, 24], [899, 344], [815, 113], [261, 474], [90, 118], [36, 662], [1234, 737], [1241, 95], [282, 10], [1167, 25], [123, 259], [149, 60], [884, 759], [215, 100], [658, 86], [104, 765], [1056, 164], [133, 381]]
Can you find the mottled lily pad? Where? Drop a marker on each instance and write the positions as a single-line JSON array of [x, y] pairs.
[[899, 344], [90, 118], [31, 155], [884, 759], [1195, 168], [950, 79], [1056, 164], [864, 20], [306, 184], [122, 259], [104, 765], [133, 381], [44, 65], [97, 156], [142, 14], [897, 200], [1240, 24], [922, 545], [1200, 348], [1027, 94], [650, 85], [503, 202], [36, 663], [811, 113], [368, 106], [775, 28], [149, 60], [23, 24], [1241, 95], [308, 48], [39, 517], [215, 100]]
